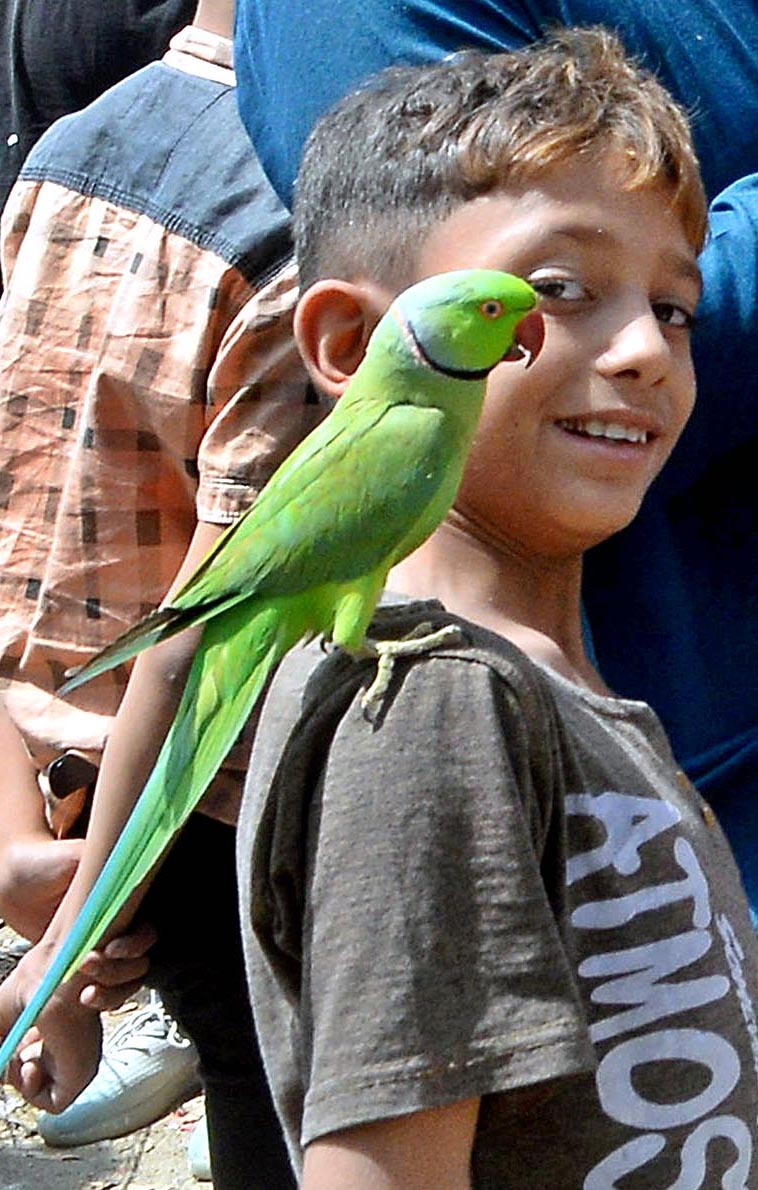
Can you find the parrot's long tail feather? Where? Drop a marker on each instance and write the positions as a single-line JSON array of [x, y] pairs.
[[237, 654]]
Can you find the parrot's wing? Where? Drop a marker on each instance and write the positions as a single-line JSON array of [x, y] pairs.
[[323, 447], [155, 627], [339, 514]]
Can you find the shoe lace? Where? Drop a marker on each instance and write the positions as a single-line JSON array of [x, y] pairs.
[[150, 1024]]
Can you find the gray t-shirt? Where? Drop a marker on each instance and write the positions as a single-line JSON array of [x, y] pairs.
[[503, 887]]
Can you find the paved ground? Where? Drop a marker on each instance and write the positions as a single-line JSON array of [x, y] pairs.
[[152, 1159]]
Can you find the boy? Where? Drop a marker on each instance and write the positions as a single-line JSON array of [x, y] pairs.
[[495, 939]]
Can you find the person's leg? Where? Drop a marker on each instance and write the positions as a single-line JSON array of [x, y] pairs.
[[199, 970]]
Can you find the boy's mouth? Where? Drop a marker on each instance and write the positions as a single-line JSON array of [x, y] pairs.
[[613, 431], [529, 337]]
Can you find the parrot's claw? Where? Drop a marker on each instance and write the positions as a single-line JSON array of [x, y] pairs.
[[420, 640]]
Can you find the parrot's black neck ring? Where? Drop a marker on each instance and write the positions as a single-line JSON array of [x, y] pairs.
[[454, 373]]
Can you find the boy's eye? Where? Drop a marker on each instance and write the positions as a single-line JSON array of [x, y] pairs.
[[673, 315], [558, 288]]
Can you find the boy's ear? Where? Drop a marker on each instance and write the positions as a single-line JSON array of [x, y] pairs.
[[334, 320]]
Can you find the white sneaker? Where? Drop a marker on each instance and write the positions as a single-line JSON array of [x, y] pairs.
[[198, 1151], [147, 1069], [12, 950]]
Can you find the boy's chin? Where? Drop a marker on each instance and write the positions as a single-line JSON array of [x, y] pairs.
[[584, 532], [612, 526]]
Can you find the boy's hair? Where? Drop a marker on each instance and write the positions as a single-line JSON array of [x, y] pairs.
[[400, 154]]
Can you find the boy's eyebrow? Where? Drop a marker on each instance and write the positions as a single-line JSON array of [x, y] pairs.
[[684, 266]]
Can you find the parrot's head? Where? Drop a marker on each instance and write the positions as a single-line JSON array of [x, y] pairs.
[[463, 323]]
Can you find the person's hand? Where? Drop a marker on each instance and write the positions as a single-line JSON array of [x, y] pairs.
[[35, 872], [59, 1057], [111, 975]]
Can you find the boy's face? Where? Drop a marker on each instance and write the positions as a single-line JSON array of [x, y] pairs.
[[567, 449]]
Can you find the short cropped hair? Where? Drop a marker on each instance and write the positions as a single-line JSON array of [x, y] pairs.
[[414, 143]]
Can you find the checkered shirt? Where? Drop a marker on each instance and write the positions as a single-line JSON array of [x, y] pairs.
[[144, 384]]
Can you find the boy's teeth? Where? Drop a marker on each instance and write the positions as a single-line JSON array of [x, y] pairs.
[[603, 429]]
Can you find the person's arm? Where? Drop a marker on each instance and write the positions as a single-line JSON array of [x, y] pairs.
[[429, 1150], [35, 868], [58, 1071]]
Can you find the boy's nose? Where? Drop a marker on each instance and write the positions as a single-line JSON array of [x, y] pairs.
[[638, 351]]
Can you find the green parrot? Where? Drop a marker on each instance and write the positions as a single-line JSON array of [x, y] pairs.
[[311, 555]]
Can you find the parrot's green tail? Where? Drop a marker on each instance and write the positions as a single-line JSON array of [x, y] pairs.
[[237, 654]]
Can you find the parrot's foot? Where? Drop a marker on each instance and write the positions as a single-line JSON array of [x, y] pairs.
[[420, 640]]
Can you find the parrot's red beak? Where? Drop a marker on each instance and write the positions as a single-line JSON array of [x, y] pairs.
[[530, 335]]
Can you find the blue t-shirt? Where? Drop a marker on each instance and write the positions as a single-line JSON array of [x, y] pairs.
[[290, 71]]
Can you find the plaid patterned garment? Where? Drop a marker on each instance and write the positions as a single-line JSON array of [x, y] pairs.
[[144, 382]]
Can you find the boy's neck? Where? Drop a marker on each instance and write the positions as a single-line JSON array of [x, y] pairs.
[[533, 602]]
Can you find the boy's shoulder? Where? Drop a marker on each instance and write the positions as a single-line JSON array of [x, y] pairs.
[[318, 685], [318, 692]]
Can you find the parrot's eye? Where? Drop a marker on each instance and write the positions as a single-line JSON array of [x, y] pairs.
[[492, 308]]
